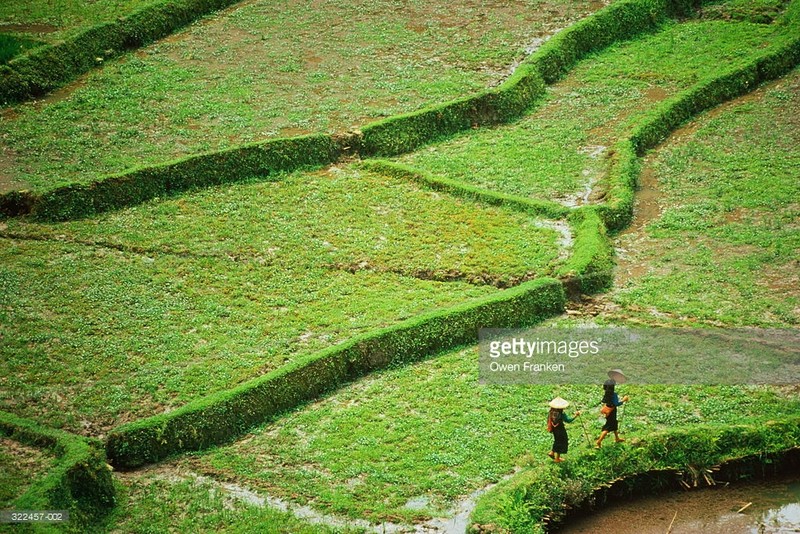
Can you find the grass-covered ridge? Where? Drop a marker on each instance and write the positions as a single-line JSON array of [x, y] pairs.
[[229, 283], [371, 448], [63, 472], [560, 150], [727, 187], [266, 70]]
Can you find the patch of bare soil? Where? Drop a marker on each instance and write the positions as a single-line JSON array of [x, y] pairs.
[[28, 28], [783, 279], [588, 307], [27, 458], [647, 208], [8, 162]]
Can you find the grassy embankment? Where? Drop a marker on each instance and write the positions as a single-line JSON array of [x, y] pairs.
[[126, 315], [409, 457], [263, 71], [52, 20]]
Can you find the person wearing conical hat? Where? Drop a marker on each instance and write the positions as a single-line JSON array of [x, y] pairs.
[[555, 425], [611, 402]]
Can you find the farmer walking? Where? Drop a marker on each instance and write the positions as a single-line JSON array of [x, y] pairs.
[[555, 425], [611, 402]]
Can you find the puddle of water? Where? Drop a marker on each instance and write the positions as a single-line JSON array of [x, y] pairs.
[[759, 508], [564, 239]]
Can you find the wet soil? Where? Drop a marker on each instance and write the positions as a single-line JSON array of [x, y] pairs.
[[766, 507], [647, 208], [650, 198]]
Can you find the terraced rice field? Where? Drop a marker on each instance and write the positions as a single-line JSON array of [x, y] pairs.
[[114, 318], [264, 69]]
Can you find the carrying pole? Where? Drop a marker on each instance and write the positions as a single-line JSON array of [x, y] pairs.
[[585, 433]]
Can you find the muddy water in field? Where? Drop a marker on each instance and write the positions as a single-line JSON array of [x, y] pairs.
[[769, 507]]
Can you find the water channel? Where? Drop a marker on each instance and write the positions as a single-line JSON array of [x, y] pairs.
[[762, 507]]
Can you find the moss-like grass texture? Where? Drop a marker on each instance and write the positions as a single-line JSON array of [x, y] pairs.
[[560, 150], [160, 501], [270, 69], [11, 46], [134, 312], [372, 448], [760, 11], [52, 20], [719, 242], [54, 470]]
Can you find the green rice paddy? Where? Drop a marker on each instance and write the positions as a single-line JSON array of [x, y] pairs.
[[561, 149], [139, 311]]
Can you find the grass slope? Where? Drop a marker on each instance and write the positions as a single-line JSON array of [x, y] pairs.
[[558, 151], [270, 69], [723, 241], [115, 318]]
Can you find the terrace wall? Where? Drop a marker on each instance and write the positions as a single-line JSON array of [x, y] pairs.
[[80, 481]]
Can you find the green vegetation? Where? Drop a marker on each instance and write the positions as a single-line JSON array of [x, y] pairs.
[[20, 465], [559, 151], [447, 429], [11, 46], [52, 20], [163, 502], [760, 11], [229, 283], [218, 418], [728, 188], [266, 70], [371, 448], [77, 479], [182, 323]]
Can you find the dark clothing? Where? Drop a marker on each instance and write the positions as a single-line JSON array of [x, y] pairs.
[[560, 439], [611, 424], [611, 399]]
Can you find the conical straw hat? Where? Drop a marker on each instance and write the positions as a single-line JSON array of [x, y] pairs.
[[617, 376], [558, 403]]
